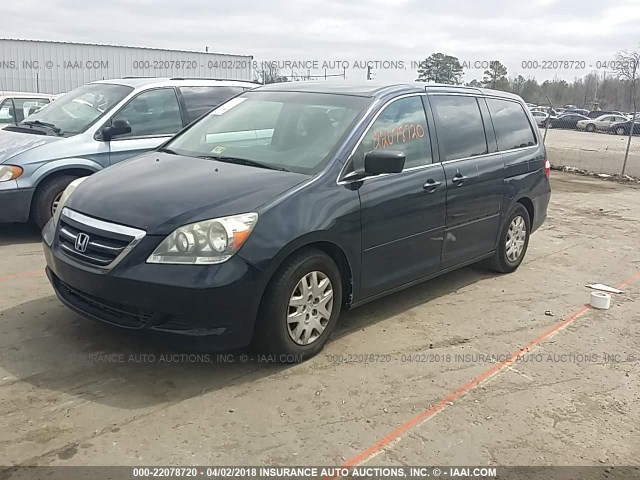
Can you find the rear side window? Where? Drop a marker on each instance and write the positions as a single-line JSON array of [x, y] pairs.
[[200, 100], [511, 124], [401, 126], [459, 125]]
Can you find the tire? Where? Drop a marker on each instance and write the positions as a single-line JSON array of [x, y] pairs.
[[591, 128], [47, 192], [500, 262], [620, 131], [273, 329]]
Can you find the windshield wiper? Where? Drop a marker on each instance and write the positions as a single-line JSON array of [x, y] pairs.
[[244, 161], [38, 123]]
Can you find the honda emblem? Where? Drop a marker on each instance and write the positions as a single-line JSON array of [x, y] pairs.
[[82, 241]]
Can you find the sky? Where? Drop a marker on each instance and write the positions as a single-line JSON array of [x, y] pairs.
[[397, 31]]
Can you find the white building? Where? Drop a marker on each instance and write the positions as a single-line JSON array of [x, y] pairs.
[[57, 67]]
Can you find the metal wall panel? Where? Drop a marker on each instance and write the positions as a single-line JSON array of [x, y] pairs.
[[53, 67]]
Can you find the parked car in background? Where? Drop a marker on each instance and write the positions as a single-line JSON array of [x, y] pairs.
[[16, 106], [540, 117], [264, 219], [601, 123], [623, 128], [567, 120], [599, 113], [579, 111], [90, 128]]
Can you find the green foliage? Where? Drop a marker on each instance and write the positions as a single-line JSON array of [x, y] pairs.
[[440, 68], [496, 76]]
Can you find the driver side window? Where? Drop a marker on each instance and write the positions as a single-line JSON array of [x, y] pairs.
[[402, 126], [152, 113]]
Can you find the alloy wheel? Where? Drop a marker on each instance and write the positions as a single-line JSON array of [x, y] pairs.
[[54, 204], [310, 307], [516, 238]]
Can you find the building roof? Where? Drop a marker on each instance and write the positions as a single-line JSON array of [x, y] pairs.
[[122, 46]]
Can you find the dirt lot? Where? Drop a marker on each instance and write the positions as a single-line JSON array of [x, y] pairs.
[[597, 152], [73, 392]]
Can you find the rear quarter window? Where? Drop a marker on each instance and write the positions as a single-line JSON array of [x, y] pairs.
[[200, 100], [510, 122]]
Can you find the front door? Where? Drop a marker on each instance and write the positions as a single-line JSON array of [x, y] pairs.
[[402, 214], [154, 116]]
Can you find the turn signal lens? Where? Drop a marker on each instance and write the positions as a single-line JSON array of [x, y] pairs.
[[9, 172]]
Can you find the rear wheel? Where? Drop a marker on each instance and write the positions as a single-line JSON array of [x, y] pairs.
[[300, 308], [46, 199], [514, 240], [620, 131], [591, 127]]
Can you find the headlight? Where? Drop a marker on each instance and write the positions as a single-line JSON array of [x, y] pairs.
[[65, 196], [206, 242], [9, 172]]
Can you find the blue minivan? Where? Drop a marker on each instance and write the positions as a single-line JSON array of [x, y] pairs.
[[263, 220], [90, 128]]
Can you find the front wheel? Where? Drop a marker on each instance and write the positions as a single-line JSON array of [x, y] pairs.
[[300, 308], [46, 199], [591, 127], [513, 242]]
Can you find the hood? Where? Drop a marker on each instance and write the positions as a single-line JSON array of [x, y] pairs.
[[159, 192], [14, 143]]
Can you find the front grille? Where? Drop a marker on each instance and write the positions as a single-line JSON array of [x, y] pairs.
[[94, 242]]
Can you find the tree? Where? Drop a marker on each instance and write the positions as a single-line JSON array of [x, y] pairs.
[[517, 84], [440, 68], [628, 69], [268, 72], [496, 76], [474, 83]]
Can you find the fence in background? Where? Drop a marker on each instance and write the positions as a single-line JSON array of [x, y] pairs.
[[598, 152]]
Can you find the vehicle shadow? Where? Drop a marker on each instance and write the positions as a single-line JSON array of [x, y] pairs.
[[49, 348], [18, 234]]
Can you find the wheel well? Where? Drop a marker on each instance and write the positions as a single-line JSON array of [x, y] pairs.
[[528, 204], [338, 256], [80, 172]]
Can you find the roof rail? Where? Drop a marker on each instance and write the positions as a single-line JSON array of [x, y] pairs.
[[217, 79]]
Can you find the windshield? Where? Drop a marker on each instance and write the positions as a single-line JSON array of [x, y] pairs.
[[287, 130], [75, 111]]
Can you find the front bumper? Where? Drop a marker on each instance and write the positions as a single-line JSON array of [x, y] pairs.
[[217, 305], [15, 204]]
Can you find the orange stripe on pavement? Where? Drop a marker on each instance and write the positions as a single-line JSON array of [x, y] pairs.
[[16, 276], [490, 372]]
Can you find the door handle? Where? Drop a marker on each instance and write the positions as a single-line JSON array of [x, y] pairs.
[[431, 185], [458, 179]]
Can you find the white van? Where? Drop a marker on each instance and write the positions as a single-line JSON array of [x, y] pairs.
[[16, 106]]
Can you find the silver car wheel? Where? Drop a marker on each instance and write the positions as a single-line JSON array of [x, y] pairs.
[[620, 131], [516, 238], [54, 205], [310, 308]]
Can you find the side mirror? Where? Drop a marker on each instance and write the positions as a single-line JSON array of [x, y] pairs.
[[377, 162], [117, 127]]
